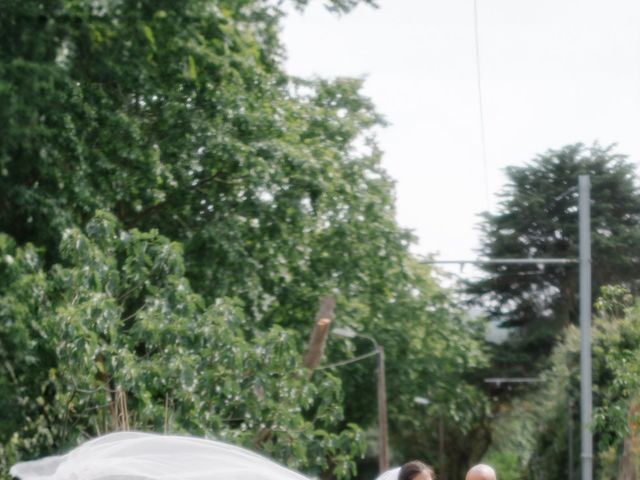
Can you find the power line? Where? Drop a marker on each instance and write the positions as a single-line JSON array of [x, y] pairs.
[[483, 140], [505, 261], [500, 380]]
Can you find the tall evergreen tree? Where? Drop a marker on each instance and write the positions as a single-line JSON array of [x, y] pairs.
[[538, 217]]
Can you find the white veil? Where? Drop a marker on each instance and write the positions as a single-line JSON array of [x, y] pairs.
[[390, 474], [144, 456]]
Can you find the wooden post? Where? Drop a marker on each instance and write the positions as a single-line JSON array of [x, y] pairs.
[[627, 469], [319, 333], [441, 461], [383, 458], [120, 411]]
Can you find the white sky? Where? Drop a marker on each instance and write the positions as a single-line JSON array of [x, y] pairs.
[[553, 72]]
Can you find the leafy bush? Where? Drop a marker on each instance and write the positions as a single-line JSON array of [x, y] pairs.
[[536, 431], [119, 316]]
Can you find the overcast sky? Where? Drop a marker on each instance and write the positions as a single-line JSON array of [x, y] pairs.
[[553, 72]]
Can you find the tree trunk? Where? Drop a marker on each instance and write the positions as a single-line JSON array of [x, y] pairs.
[[627, 469]]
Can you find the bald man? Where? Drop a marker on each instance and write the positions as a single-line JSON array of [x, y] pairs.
[[481, 472]]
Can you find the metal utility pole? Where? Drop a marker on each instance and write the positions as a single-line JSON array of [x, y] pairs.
[[584, 261], [584, 213]]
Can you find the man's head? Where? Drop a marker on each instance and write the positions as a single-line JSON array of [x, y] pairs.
[[416, 470], [481, 472]]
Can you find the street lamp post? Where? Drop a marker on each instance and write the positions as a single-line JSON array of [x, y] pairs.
[[383, 434]]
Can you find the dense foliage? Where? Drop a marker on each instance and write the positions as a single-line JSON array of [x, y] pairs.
[[538, 217], [172, 206], [119, 315], [534, 435]]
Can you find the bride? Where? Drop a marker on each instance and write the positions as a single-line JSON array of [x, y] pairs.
[[413, 470], [146, 456]]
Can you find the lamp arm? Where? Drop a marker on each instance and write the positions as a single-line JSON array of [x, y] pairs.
[[351, 360]]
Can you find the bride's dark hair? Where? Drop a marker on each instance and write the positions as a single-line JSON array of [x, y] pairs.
[[413, 468]]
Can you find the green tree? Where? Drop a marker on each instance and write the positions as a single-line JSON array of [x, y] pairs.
[[119, 315], [195, 131], [177, 118], [538, 217]]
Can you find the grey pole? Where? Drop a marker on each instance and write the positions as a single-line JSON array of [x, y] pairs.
[[584, 208]]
